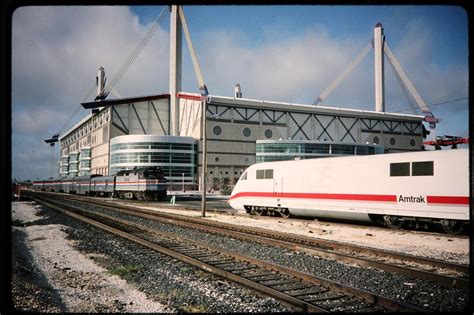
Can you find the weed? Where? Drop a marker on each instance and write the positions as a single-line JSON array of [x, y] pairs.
[[125, 270], [18, 222], [195, 309]]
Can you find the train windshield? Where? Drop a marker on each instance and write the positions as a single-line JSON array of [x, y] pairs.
[[152, 172]]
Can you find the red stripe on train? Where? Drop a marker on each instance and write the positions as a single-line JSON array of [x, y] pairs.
[[461, 200], [387, 198], [448, 200]]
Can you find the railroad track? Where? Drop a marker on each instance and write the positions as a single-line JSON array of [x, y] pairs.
[[419, 267], [301, 290]]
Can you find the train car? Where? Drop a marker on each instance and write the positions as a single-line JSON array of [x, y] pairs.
[[392, 189], [67, 185], [82, 184], [146, 183], [141, 183], [102, 186], [38, 185], [52, 184]]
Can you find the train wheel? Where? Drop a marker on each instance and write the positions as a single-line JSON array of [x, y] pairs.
[[258, 211], [452, 226], [161, 195], [285, 213], [147, 196], [392, 222]]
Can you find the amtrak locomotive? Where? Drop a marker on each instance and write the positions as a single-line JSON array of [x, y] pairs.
[[392, 189], [140, 183]]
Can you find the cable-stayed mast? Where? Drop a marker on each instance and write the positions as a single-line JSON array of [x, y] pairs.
[[380, 49]]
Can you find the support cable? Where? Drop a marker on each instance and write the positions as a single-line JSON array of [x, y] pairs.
[[343, 75], [404, 89], [197, 68], [134, 54], [437, 104], [406, 81], [76, 110]]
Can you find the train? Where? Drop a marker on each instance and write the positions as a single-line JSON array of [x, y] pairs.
[[397, 189], [141, 183]]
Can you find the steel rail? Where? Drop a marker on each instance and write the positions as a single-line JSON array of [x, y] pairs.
[[324, 248], [352, 296], [360, 261]]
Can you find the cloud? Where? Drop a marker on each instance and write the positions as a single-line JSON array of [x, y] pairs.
[[286, 70], [298, 68], [36, 120], [56, 52]]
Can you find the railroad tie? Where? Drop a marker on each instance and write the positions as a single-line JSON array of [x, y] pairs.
[[324, 298], [242, 268]]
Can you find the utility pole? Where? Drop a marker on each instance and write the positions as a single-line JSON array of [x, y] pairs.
[[204, 157]]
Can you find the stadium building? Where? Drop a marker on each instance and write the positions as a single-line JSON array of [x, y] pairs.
[[136, 131]]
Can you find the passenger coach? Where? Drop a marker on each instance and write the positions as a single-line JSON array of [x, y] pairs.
[[422, 187]]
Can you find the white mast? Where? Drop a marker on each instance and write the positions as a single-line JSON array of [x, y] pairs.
[[379, 39], [175, 68]]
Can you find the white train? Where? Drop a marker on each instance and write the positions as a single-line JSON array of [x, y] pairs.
[[392, 189]]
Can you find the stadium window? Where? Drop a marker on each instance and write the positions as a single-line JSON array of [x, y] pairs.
[[422, 168], [217, 130], [400, 169], [247, 132]]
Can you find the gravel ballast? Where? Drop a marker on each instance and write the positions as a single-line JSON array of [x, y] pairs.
[[62, 283], [73, 262], [430, 295]]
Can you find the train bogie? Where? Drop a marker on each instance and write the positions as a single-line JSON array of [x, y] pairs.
[[428, 186]]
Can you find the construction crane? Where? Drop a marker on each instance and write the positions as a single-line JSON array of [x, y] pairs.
[[444, 141]]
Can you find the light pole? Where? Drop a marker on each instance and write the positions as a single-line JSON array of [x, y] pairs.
[[204, 158], [183, 182]]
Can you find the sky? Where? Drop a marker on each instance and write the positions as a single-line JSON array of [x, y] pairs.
[[280, 53]]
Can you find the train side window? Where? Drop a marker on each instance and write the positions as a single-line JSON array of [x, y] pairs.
[[265, 174], [400, 169], [422, 168], [269, 174]]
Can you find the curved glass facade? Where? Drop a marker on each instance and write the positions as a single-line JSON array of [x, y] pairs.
[[64, 166], [73, 164], [282, 150], [177, 157], [85, 162]]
